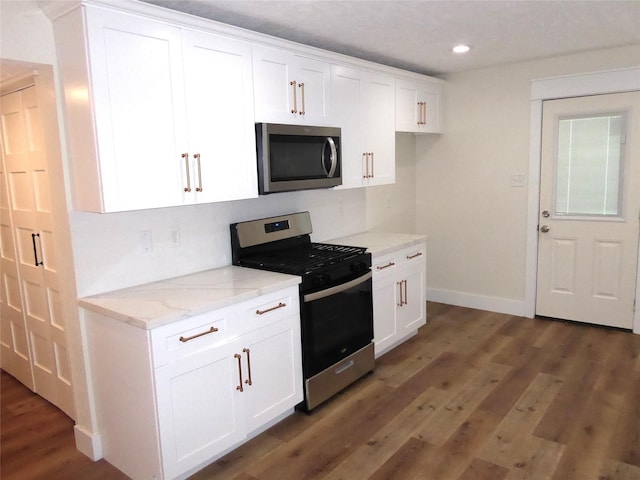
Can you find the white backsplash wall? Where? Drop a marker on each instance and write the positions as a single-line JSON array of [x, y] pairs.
[[392, 208], [109, 253]]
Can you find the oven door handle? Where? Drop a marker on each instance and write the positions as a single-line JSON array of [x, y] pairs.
[[310, 297]]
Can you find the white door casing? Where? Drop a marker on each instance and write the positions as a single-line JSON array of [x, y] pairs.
[[590, 83], [588, 240]]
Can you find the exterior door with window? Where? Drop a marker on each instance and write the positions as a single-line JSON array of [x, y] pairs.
[[589, 209]]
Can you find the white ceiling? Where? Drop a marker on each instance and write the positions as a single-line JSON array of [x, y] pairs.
[[416, 35]]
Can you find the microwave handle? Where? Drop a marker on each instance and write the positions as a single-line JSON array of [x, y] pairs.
[[334, 158]]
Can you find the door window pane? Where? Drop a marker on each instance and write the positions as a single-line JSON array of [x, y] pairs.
[[589, 165]]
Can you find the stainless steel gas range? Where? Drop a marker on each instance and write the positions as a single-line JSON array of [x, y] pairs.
[[335, 298]]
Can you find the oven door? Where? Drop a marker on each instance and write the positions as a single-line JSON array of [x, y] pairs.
[[336, 322]]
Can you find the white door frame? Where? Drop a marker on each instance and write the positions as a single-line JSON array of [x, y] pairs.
[[611, 81]]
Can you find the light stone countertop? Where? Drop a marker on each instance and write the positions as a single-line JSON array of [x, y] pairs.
[[380, 243], [154, 304]]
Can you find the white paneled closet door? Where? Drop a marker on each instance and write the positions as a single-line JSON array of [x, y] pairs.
[[30, 282]]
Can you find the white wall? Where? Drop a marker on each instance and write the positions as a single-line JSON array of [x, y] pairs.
[[25, 32], [108, 254], [392, 208], [476, 221]]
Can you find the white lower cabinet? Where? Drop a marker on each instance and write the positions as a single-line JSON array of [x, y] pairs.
[[199, 410], [399, 296], [217, 380]]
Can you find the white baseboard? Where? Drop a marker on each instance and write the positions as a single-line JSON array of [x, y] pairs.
[[480, 302], [88, 443]]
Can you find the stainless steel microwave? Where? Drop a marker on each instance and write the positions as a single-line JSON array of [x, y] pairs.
[[297, 157]]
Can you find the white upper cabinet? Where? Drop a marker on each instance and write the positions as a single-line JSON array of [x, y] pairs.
[[161, 107], [222, 139], [290, 88], [137, 140], [418, 107], [363, 107]]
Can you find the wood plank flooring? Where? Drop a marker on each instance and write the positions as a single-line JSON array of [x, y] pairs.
[[474, 396]]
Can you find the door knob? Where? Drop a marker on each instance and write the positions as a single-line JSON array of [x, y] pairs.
[[545, 214], [544, 228]]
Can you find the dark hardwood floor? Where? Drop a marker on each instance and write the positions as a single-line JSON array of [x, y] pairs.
[[475, 395]]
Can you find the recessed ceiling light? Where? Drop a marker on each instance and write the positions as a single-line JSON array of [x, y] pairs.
[[461, 49]]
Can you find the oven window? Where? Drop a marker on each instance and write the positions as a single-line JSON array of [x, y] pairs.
[[336, 326]]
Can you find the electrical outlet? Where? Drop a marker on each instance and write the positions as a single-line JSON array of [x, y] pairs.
[[146, 242], [174, 236]]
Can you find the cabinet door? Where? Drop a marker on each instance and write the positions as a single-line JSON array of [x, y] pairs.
[[411, 315], [273, 356], [431, 113], [378, 134], [314, 83], [199, 408], [220, 118], [137, 96], [385, 298], [418, 107], [346, 85], [279, 95], [407, 108], [363, 108]]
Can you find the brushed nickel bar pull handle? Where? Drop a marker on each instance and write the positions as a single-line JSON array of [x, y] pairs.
[[295, 96], [186, 163], [372, 164], [409, 257], [419, 122], [400, 290], [424, 113], [382, 267], [302, 112], [248, 380], [35, 251], [262, 312], [239, 386], [199, 187], [186, 339]]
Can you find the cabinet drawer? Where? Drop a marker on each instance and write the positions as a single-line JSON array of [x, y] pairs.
[[414, 255], [187, 337], [385, 265], [270, 308]]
